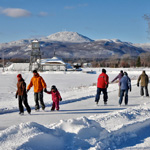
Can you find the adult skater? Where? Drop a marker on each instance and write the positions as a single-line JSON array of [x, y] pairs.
[[102, 84], [119, 76], [125, 85], [22, 95], [144, 83], [39, 84]]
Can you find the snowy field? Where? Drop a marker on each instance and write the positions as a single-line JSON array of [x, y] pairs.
[[80, 124]]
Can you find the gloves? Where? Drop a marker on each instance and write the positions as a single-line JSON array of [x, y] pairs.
[[27, 91], [60, 99], [45, 90], [107, 86], [16, 95], [138, 84], [130, 89]]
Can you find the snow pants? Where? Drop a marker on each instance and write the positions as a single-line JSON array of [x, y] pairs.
[[55, 105], [122, 93], [105, 96], [39, 97], [23, 99], [146, 91]]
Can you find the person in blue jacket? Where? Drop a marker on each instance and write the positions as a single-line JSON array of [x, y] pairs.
[[125, 86]]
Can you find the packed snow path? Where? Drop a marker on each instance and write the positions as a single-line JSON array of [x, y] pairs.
[[79, 102], [125, 123]]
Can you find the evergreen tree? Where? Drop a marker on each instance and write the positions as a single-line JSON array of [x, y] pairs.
[[138, 62]]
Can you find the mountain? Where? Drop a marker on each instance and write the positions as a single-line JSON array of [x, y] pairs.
[[144, 46], [72, 37], [71, 45]]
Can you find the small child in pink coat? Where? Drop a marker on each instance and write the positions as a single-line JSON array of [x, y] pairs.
[[55, 97]]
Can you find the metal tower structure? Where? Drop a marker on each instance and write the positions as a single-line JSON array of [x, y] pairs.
[[35, 56]]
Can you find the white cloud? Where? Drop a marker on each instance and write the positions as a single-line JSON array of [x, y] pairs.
[[69, 7], [1, 9], [83, 5], [43, 14], [77, 6], [15, 12]]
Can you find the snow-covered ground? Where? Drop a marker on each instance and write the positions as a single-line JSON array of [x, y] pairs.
[[80, 123]]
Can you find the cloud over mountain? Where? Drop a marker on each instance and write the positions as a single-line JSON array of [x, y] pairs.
[[15, 12]]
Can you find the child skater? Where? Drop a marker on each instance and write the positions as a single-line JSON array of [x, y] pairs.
[[55, 97]]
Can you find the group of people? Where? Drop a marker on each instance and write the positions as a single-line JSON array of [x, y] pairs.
[[39, 86], [102, 85], [124, 86]]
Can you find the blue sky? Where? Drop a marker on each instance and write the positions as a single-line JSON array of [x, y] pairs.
[[96, 19]]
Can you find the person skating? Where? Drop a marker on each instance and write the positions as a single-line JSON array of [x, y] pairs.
[[102, 85], [125, 86], [144, 83], [119, 76], [55, 97], [22, 95], [39, 85]]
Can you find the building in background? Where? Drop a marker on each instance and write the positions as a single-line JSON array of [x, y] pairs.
[[53, 64]]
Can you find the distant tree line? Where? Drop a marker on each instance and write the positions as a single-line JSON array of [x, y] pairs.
[[115, 61]]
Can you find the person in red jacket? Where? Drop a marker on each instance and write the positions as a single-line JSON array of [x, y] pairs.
[[102, 85], [55, 97]]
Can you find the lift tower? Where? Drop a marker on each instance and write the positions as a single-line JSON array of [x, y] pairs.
[[35, 56]]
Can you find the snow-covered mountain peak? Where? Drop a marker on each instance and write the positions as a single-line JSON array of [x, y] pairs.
[[116, 40], [67, 36]]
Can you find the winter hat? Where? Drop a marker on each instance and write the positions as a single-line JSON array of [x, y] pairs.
[[19, 76], [53, 87], [103, 70], [121, 71], [125, 73], [34, 71]]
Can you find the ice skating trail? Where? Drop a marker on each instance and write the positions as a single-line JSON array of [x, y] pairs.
[[76, 103], [80, 123]]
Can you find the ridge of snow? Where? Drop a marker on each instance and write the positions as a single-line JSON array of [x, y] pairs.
[[66, 36], [143, 45], [112, 41], [81, 133]]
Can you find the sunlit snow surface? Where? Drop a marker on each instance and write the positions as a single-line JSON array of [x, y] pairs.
[[80, 123]]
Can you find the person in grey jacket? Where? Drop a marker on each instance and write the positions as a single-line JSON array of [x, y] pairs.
[[144, 79], [125, 85]]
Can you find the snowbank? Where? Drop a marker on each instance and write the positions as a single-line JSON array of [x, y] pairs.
[[94, 133]]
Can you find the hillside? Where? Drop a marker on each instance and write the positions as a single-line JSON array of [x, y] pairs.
[[71, 45], [144, 46]]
